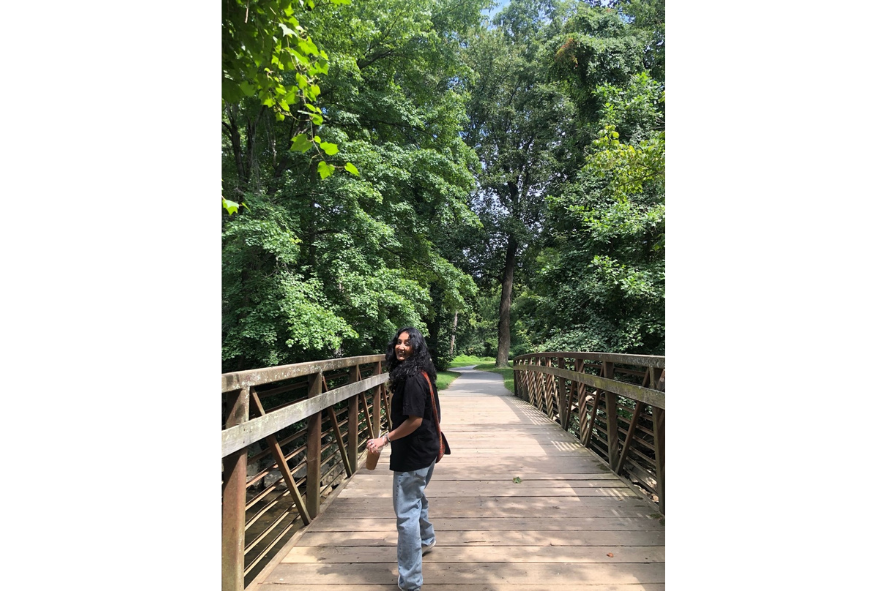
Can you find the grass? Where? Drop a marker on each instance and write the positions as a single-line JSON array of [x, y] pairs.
[[444, 378], [463, 360]]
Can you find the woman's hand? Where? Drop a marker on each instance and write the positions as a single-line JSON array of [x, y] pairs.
[[375, 445]]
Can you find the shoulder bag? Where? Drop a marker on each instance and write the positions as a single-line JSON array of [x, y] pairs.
[[444, 445]]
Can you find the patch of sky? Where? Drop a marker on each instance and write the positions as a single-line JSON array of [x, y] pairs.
[[496, 8]]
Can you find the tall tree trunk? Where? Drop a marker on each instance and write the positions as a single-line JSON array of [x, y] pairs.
[[242, 173], [504, 309], [452, 341]]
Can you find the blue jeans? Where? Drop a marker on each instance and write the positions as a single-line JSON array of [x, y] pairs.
[[413, 527]]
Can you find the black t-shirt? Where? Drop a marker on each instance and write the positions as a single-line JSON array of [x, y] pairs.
[[418, 449]]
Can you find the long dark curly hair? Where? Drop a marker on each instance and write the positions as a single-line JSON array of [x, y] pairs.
[[419, 361]]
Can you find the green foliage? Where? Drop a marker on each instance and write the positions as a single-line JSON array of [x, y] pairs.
[[464, 360], [600, 281], [593, 276], [269, 61], [322, 269], [532, 149]]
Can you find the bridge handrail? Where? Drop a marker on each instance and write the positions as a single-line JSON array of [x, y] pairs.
[[245, 434], [257, 528], [620, 420], [257, 377]]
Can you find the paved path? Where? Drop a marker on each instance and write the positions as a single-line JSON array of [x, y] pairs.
[[520, 505]]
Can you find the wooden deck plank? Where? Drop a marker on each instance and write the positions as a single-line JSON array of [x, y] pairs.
[[496, 587], [341, 523], [525, 492], [552, 575], [569, 523], [510, 537], [485, 554]]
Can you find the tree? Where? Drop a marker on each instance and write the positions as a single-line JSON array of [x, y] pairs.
[[269, 65], [600, 284], [520, 128], [318, 269]]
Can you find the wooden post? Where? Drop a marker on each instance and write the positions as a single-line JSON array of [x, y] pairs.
[[561, 400], [376, 403], [548, 381], [578, 389], [314, 445], [608, 371], [658, 438], [352, 420], [537, 393], [516, 377], [234, 498], [524, 383]]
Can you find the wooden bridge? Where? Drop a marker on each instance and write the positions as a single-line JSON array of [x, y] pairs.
[[529, 500]]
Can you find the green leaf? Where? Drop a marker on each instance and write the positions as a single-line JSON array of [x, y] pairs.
[[330, 148], [341, 1], [247, 89], [230, 91], [231, 206], [352, 169], [317, 119], [517, 480], [307, 47], [325, 169], [301, 58], [300, 143]]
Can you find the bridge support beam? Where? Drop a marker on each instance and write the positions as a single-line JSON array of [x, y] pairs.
[[376, 403], [314, 445], [607, 370], [234, 497], [353, 426], [562, 397], [658, 433]]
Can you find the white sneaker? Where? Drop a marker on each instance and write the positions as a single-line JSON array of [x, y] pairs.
[[425, 549]]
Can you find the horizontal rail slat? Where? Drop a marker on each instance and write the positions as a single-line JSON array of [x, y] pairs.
[[257, 377], [248, 433], [657, 361], [650, 397]]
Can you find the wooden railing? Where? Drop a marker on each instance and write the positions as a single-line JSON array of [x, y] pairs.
[[614, 404], [291, 434]]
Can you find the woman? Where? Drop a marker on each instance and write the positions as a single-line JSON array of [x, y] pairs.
[[414, 446]]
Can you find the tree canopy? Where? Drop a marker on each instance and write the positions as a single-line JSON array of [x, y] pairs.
[[390, 162]]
